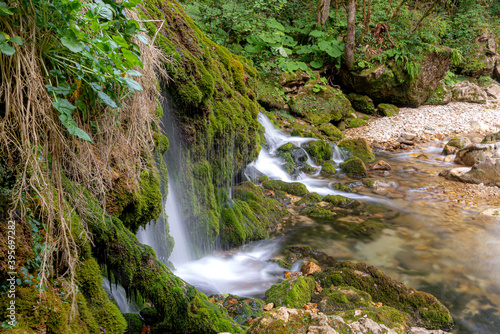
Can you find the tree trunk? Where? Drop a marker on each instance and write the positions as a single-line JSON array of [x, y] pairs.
[[323, 11], [349, 47]]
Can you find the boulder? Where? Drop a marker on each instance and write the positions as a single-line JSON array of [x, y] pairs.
[[321, 106], [298, 78], [328, 169], [309, 268], [496, 70], [466, 91], [493, 92], [354, 168], [331, 131], [269, 96], [440, 96], [358, 147], [486, 171], [319, 150], [391, 83], [477, 152], [491, 138], [455, 144], [355, 122], [386, 109], [362, 103], [379, 165], [482, 57], [298, 154], [293, 292]]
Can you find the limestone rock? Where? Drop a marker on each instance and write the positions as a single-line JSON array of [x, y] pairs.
[[493, 91], [440, 96], [362, 103], [491, 212], [368, 326], [466, 91], [455, 144], [310, 268], [379, 165], [354, 168], [387, 109], [486, 171], [358, 147], [268, 307], [477, 152], [419, 330], [492, 138]]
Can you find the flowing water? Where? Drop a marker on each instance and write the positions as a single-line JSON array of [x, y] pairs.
[[432, 241], [117, 293]]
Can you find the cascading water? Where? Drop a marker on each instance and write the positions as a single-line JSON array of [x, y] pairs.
[[117, 292]]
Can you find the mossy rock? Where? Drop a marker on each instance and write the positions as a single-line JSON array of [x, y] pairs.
[[355, 122], [292, 188], [341, 298], [455, 144], [368, 183], [386, 315], [134, 323], [309, 199], [327, 169], [317, 212], [341, 187], [318, 150], [354, 168], [362, 103], [242, 309], [388, 110], [293, 292], [269, 95], [285, 148], [282, 263], [327, 105], [340, 201], [424, 309], [331, 131], [367, 229], [358, 147]]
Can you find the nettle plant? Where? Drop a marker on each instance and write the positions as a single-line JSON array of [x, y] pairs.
[[92, 57]]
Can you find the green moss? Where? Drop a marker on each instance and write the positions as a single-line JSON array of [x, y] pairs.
[[388, 110], [331, 131], [232, 233], [368, 183], [341, 298], [358, 147], [362, 103], [309, 199], [293, 188], [354, 168], [317, 212], [423, 309], [355, 122], [319, 150], [269, 95], [161, 143], [327, 169], [339, 201], [341, 187], [134, 323], [369, 228], [293, 292], [242, 309], [285, 148]]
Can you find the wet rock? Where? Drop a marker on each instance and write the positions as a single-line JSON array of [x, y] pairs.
[[455, 144], [319, 150], [362, 103], [379, 165], [269, 307], [466, 91], [479, 126], [440, 96], [486, 171], [492, 212], [368, 326], [293, 292], [477, 152], [406, 142], [340, 201], [408, 136], [331, 131], [309, 199], [455, 174], [317, 212], [448, 159], [388, 110], [358, 147], [309, 268], [298, 154], [298, 78], [293, 188], [491, 138], [328, 169], [354, 168], [242, 309], [419, 330]]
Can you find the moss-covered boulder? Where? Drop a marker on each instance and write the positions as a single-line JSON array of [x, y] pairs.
[[354, 168], [391, 83], [331, 131], [340, 201], [319, 150], [366, 229], [358, 147], [424, 309], [134, 323], [388, 110], [318, 212], [341, 298], [309, 199], [293, 292], [362, 103], [269, 95], [319, 104], [292, 188], [455, 144], [355, 122], [440, 96], [327, 169], [242, 309]]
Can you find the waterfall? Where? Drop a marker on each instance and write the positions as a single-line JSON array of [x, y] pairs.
[[117, 293]]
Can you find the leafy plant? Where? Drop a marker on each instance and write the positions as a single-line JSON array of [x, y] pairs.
[[5, 39]]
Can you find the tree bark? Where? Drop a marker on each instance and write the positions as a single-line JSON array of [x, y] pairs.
[[323, 11], [349, 47]]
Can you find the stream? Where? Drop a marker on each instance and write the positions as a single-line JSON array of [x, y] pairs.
[[428, 242]]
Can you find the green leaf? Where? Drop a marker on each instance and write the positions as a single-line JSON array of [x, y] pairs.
[[131, 59], [64, 107], [7, 49], [120, 41], [106, 99], [62, 89], [130, 28], [302, 66], [142, 38], [316, 33], [73, 44], [133, 85], [95, 86], [131, 3], [105, 11], [82, 106], [3, 36], [134, 73], [81, 134], [16, 40], [273, 24], [4, 11], [318, 63]]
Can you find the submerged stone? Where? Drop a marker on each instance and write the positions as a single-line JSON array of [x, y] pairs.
[[354, 168], [358, 147]]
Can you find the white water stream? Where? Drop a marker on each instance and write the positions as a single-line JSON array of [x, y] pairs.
[[119, 296]]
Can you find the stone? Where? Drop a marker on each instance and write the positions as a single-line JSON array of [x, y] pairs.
[[354, 168], [479, 126], [368, 326], [455, 144], [496, 70], [491, 138], [358, 147], [331, 131], [309, 268], [420, 330], [466, 91], [299, 78], [491, 212], [486, 171], [379, 165], [440, 96], [362, 103], [448, 159], [408, 136], [493, 91], [268, 307], [388, 110], [298, 154], [477, 152]]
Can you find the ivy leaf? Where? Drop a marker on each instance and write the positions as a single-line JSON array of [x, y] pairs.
[[81, 134], [133, 85], [105, 11], [7, 49], [4, 10], [64, 107], [131, 59], [131, 3], [318, 63], [106, 99], [73, 44], [62, 89]]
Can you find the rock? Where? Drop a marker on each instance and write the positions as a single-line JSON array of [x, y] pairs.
[[292, 188], [496, 70], [358, 147], [388, 110], [268, 307], [355, 122], [268, 95], [493, 91], [362, 103], [368, 326], [324, 106], [492, 138], [454, 174], [242, 309], [477, 152], [309, 268], [491, 212], [466, 91], [439, 136], [455, 144], [354, 168], [293, 292], [299, 78], [479, 126], [448, 159], [309, 199], [328, 169], [340, 201], [390, 83], [379, 165], [298, 154], [291, 274], [319, 150], [486, 171], [408, 136], [419, 330], [331, 131], [440, 96]]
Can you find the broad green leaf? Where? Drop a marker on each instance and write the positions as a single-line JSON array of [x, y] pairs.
[[96, 87], [3, 36], [134, 73], [318, 63], [64, 107], [106, 99], [302, 66], [131, 3], [73, 44], [120, 41], [81, 134], [142, 38], [62, 89], [273, 24], [105, 11], [16, 40], [7, 49], [4, 11], [131, 59], [316, 33], [133, 85], [130, 28], [281, 51]]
